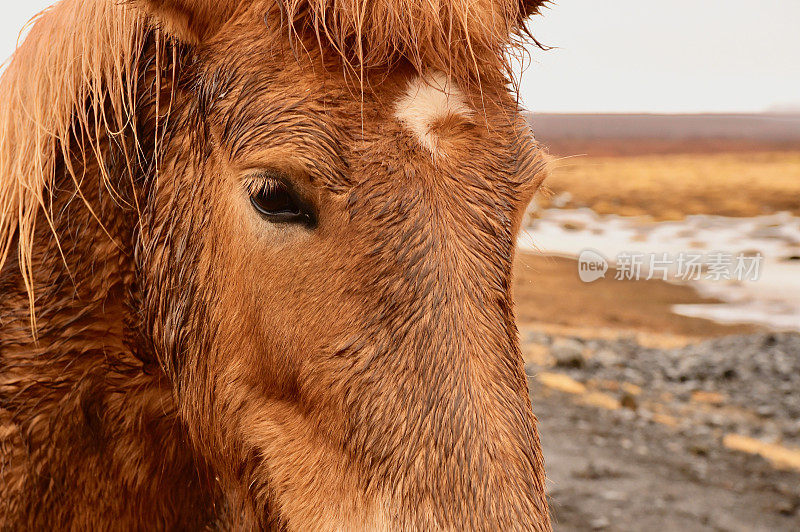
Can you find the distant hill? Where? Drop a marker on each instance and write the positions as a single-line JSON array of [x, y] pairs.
[[785, 108], [623, 134]]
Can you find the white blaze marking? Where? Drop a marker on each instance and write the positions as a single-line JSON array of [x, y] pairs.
[[427, 100]]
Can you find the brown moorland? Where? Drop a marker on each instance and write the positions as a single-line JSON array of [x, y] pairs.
[[670, 166], [675, 185]]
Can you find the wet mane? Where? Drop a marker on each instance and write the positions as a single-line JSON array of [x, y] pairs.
[[74, 74], [468, 39]]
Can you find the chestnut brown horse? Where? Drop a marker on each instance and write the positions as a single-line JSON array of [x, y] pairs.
[[255, 268]]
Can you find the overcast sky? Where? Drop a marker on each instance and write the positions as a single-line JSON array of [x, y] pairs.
[[637, 55]]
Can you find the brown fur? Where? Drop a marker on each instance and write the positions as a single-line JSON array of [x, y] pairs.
[[195, 366]]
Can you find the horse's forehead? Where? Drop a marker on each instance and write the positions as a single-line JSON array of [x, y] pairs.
[[428, 101], [401, 119]]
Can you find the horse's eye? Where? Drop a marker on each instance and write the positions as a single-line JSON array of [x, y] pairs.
[[276, 202]]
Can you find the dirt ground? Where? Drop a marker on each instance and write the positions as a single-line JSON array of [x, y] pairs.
[[549, 295]]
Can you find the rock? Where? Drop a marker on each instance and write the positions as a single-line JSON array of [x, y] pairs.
[[629, 401], [717, 420], [698, 450], [770, 340], [536, 337], [613, 496], [703, 431], [792, 430], [568, 353], [596, 471], [607, 358], [700, 469], [789, 507], [573, 226], [633, 376], [600, 523], [766, 411], [624, 414]]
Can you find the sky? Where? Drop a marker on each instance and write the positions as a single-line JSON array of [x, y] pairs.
[[637, 55]]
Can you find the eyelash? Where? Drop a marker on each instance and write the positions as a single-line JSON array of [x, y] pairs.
[[262, 184]]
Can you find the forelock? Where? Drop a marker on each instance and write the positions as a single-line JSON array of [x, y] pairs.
[[469, 40]]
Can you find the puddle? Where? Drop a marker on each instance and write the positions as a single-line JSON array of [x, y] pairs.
[[772, 300]]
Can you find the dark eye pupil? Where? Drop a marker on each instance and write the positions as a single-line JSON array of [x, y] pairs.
[[275, 201]]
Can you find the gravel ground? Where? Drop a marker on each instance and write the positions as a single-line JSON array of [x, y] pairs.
[[657, 460]]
